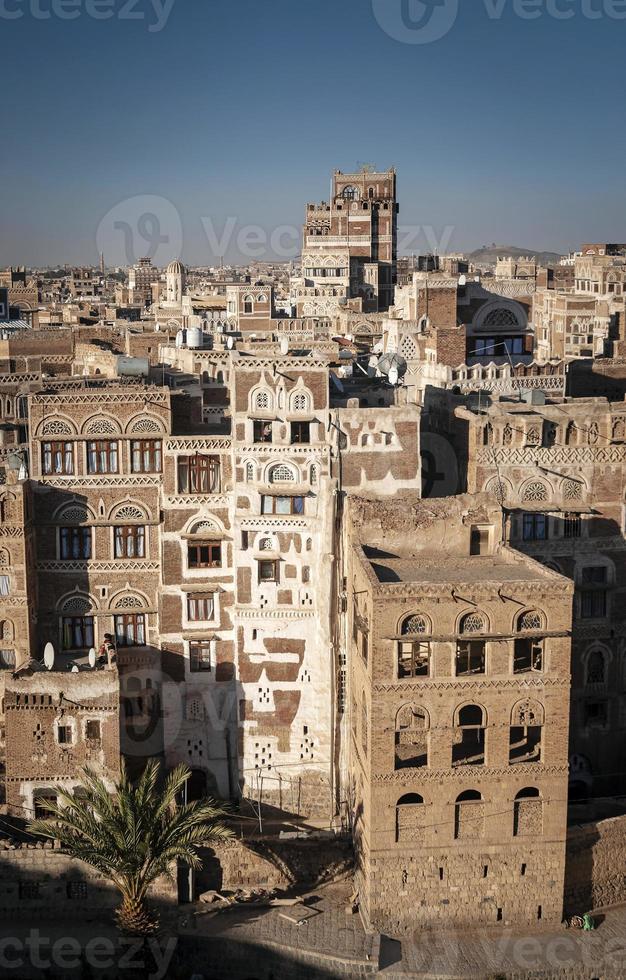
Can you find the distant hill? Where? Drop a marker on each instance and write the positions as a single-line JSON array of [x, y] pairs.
[[490, 254]]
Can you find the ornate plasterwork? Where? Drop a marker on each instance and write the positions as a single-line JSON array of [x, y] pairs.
[[247, 613], [129, 602], [101, 425], [128, 512], [261, 523], [410, 688], [479, 773], [555, 456], [57, 427], [131, 565], [89, 482], [146, 425], [103, 397], [196, 445], [194, 501], [73, 515]]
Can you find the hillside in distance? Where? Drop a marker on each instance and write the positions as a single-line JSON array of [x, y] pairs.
[[489, 254]]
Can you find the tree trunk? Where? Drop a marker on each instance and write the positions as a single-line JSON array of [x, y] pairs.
[[134, 919]]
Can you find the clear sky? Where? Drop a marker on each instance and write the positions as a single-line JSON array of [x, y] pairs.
[[507, 129]]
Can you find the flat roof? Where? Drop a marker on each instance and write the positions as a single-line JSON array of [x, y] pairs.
[[446, 569]]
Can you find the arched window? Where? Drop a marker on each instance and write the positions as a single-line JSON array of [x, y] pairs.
[[469, 816], [249, 472], [300, 402], [413, 650], [488, 434], [528, 650], [535, 491], [281, 474], [501, 318], [527, 813], [470, 654], [263, 401], [313, 475], [619, 430], [411, 738], [468, 747], [571, 434], [77, 623], [350, 193], [527, 720], [507, 435], [596, 668], [410, 818], [533, 436], [248, 304]]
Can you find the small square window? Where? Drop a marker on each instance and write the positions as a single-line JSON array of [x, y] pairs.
[[92, 731], [29, 889], [64, 735], [76, 890], [268, 571]]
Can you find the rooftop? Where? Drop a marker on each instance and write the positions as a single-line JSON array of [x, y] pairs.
[[446, 568]]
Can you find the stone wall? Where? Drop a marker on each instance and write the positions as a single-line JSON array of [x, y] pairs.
[[275, 863], [595, 867], [35, 878]]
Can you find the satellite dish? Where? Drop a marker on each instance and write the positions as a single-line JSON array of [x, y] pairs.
[[92, 657], [462, 280], [48, 656], [393, 362], [284, 345], [230, 343], [74, 669]]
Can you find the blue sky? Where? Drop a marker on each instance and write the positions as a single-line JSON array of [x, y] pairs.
[[507, 129]]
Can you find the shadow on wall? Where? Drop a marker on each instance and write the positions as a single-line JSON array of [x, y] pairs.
[[594, 866], [443, 446]]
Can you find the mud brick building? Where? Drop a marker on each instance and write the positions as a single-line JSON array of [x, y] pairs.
[[558, 470], [198, 526], [57, 722], [459, 688], [349, 250]]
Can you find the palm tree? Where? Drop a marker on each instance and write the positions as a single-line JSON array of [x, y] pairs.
[[134, 834]]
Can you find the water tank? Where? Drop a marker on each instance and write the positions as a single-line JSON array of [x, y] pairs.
[[133, 367], [195, 337]]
